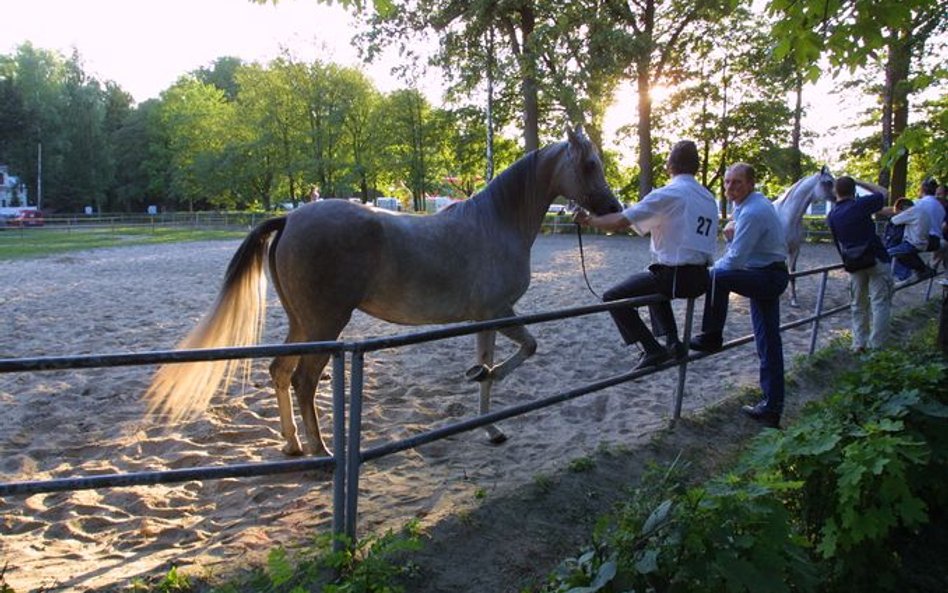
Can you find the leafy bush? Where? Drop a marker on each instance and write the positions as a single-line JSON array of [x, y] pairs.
[[821, 506], [368, 566]]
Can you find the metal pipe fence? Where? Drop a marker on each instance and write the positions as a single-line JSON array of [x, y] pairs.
[[348, 455]]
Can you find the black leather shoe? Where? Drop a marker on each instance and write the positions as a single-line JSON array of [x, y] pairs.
[[706, 343], [676, 350], [763, 416], [652, 359]]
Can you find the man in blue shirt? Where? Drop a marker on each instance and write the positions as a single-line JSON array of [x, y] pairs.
[[870, 284], [754, 265]]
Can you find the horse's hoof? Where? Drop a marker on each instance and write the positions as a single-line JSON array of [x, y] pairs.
[[496, 437], [292, 449], [478, 373]]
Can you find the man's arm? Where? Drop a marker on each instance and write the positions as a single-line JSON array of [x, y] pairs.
[[872, 203], [746, 235], [611, 223]]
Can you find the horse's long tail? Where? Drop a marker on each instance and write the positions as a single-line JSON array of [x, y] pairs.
[[181, 390]]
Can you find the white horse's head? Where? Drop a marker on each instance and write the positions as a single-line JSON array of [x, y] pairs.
[[823, 189]]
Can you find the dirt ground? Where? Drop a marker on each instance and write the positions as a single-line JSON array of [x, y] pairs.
[[511, 543]]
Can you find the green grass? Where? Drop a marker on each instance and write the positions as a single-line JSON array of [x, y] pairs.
[[32, 243]]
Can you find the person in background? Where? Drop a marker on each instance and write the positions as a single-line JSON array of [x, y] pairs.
[[866, 260], [941, 257], [935, 211], [915, 224], [682, 219], [754, 265]]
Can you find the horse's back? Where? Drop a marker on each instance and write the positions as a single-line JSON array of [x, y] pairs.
[[402, 268]]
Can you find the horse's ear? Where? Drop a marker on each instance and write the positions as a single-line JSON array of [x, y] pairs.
[[572, 136], [825, 170]]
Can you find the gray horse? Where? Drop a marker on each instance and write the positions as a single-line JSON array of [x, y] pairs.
[[791, 207], [793, 204], [469, 262]]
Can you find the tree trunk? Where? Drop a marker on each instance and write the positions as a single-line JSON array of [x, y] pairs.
[[644, 131], [897, 68], [489, 170], [531, 104], [796, 166]]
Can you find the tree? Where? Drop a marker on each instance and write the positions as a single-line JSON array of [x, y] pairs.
[[850, 32], [654, 38], [732, 102], [407, 116], [197, 119]]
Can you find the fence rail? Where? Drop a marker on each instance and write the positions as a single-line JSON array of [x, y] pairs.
[[348, 456]]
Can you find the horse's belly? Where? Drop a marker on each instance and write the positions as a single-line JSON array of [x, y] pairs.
[[432, 308]]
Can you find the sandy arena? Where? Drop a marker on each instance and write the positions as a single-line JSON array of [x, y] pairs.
[[135, 299]]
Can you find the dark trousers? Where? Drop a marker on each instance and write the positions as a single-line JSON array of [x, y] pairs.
[[906, 260], [668, 281], [763, 286]]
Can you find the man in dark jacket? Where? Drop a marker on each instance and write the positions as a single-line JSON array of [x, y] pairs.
[[866, 260]]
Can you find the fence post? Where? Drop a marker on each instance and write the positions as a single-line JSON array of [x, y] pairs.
[[815, 328], [338, 448], [683, 367], [354, 454], [943, 319]]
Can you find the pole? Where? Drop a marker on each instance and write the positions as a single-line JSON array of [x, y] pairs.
[[39, 175]]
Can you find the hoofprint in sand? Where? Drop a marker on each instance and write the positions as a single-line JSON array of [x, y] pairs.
[[135, 299]]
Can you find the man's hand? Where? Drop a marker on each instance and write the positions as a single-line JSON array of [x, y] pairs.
[[581, 217], [728, 231]]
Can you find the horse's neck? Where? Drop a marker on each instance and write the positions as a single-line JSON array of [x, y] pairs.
[[515, 198], [797, 199]]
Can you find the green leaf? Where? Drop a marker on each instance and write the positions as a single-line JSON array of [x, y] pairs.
[[278, 566], [658, 517], [647, 562], [932, 408]]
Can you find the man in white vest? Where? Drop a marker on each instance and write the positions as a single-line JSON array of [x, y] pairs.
[[682, 219]]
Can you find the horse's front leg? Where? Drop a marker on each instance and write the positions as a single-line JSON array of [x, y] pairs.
[[485, 373], [793, 282]]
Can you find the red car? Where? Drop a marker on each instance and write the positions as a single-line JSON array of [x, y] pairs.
[[26, 218]]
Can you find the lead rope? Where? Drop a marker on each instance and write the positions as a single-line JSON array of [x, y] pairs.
[[582, 259]]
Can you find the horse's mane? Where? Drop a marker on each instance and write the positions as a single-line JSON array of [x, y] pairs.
[[510, 186]]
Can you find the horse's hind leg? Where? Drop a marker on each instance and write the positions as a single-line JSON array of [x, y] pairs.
[[281, 371], [305, 380]]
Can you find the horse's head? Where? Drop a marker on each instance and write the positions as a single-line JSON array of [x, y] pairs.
[[583, 180], [823, 190]]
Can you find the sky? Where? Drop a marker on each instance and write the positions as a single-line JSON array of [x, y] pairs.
[[145, 45]]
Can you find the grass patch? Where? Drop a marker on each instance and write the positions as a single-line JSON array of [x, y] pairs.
[[33, 243]]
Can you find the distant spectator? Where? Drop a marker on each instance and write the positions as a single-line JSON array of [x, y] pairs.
[[935, 211], [916, 224], [941, 194], [866, 260]]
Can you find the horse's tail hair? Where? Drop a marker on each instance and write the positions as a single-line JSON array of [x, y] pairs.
[[183, 390]]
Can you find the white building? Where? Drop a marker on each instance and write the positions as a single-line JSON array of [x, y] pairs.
[[12, 190]]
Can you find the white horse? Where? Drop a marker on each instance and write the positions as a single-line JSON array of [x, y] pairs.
[[793, 204]]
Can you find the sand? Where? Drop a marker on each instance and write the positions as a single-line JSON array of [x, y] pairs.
[[134, 299]]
